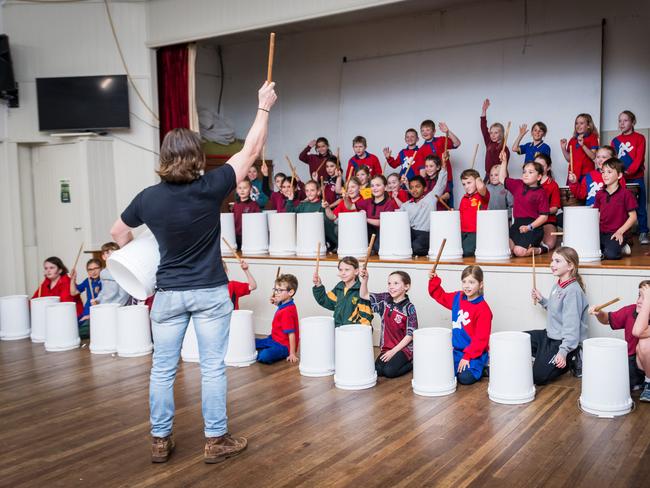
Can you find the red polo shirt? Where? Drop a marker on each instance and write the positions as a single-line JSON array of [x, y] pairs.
[[553, 192], [368, 159], [341, 208], [582, 164], [285, 321], [624, 319], [236, 290], [614, 208], [435, 146], [529, 201], [469, 207]]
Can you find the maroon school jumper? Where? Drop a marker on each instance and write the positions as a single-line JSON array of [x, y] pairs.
[[373, 210], [397, 321], [241, 208], [314, 161], [492, 149]]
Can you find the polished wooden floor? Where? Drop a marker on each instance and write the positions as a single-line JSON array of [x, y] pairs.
[[77, 419]]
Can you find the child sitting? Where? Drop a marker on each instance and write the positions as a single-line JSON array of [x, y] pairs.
[[363, 175], [592, 182], [344, 299], [394, 188], [500, 198], [617, 208], [315, 161], [91, 287], [362, 158], [530, 209], [405, 155], [641, 330], [493, 138], [625, 318], [419, 209], [238, 289], [259, 187], [584, 143], [56, 283], [432, 166], [552, 191], [476, 198], [351, 193], [537, 146], [244, 205], [110, 292], [313, 203], [285, 333], [276, 198], [398, 322], [332, 184], [471, 323], [556, 347]]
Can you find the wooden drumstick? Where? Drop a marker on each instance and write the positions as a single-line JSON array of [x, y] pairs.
[[318, 258], [445, 153], [443, 203], [606, 304], [408, 167], [505, 138], [277, 273], [571, 158], [474, 157], [557, 233], [369, 251], [232, 250], [322, 191], [76, 261], [269, 72], [440, 249], [90, 287], [338, 158]]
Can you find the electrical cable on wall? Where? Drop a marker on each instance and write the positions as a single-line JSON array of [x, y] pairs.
[[220, 54]]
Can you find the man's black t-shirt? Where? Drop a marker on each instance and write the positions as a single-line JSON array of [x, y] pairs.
[[185, 220]]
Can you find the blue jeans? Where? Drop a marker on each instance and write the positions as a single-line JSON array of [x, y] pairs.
[[642, 211], [270, 351], [210, 310]]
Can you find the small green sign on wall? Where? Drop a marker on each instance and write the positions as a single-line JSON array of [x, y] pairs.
[[65, 190]]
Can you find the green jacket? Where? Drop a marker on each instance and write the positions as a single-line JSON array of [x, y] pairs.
[[304, 207], [348, 306]]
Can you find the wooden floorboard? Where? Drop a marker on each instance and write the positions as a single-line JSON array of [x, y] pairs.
[[78, 419]]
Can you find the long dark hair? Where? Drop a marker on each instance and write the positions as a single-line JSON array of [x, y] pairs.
[[181, 157], [58, 263]]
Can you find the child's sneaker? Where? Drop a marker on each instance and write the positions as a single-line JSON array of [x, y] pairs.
[[643, 238], [575, 364], [645, 394], [626, 250]]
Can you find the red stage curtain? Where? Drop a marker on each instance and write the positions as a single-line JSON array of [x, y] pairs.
[[173, 88]]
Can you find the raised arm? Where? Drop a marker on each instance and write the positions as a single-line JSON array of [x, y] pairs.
[[522, 132], [503, 169], [256, 138]]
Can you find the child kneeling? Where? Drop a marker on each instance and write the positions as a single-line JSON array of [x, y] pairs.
[[471, 323], [398, 321], [284, 338]]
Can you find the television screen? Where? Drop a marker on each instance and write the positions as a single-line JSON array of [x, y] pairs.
[[83, 103], [7, 81]]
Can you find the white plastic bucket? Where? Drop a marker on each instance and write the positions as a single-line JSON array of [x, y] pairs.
[[492, 235], [228, 233], [445, 225], [133, 331], [282, 234], [241, 344], [353, 234], [134, 266], [255, 234], [103, 328], [433, 362], [38, 306], [395, 236], [317, 346], [582, 232], [14, 317], [354, 363], [61, 328], [605, 378], [310, 230], [511, 368]]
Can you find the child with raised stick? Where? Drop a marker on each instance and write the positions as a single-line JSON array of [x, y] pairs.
[[362, 158], [476, 198], [552, 191], [493, 138], [471, 322], [316, 162], [530, 208], [419, 209], [500, 198], [91, 286], [556, 348], [580, 151], [239, 289], [430, 173], [344, 299], [404, 156], [244, 205], [617, 208], [314, 203], [638, 346], [592, 182], [332, 182], [398, 322], [537, 146], [260, 190], [285, 334], [56, 283]]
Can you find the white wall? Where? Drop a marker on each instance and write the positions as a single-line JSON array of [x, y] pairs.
[[308, 68], [72, 39]]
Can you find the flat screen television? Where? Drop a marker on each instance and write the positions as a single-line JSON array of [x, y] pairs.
[[83, 103]]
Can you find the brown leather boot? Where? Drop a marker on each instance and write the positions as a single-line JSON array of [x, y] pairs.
[[218, 449], [162, 448]]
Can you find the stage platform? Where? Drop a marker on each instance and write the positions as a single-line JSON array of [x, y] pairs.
[[507, 286]]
